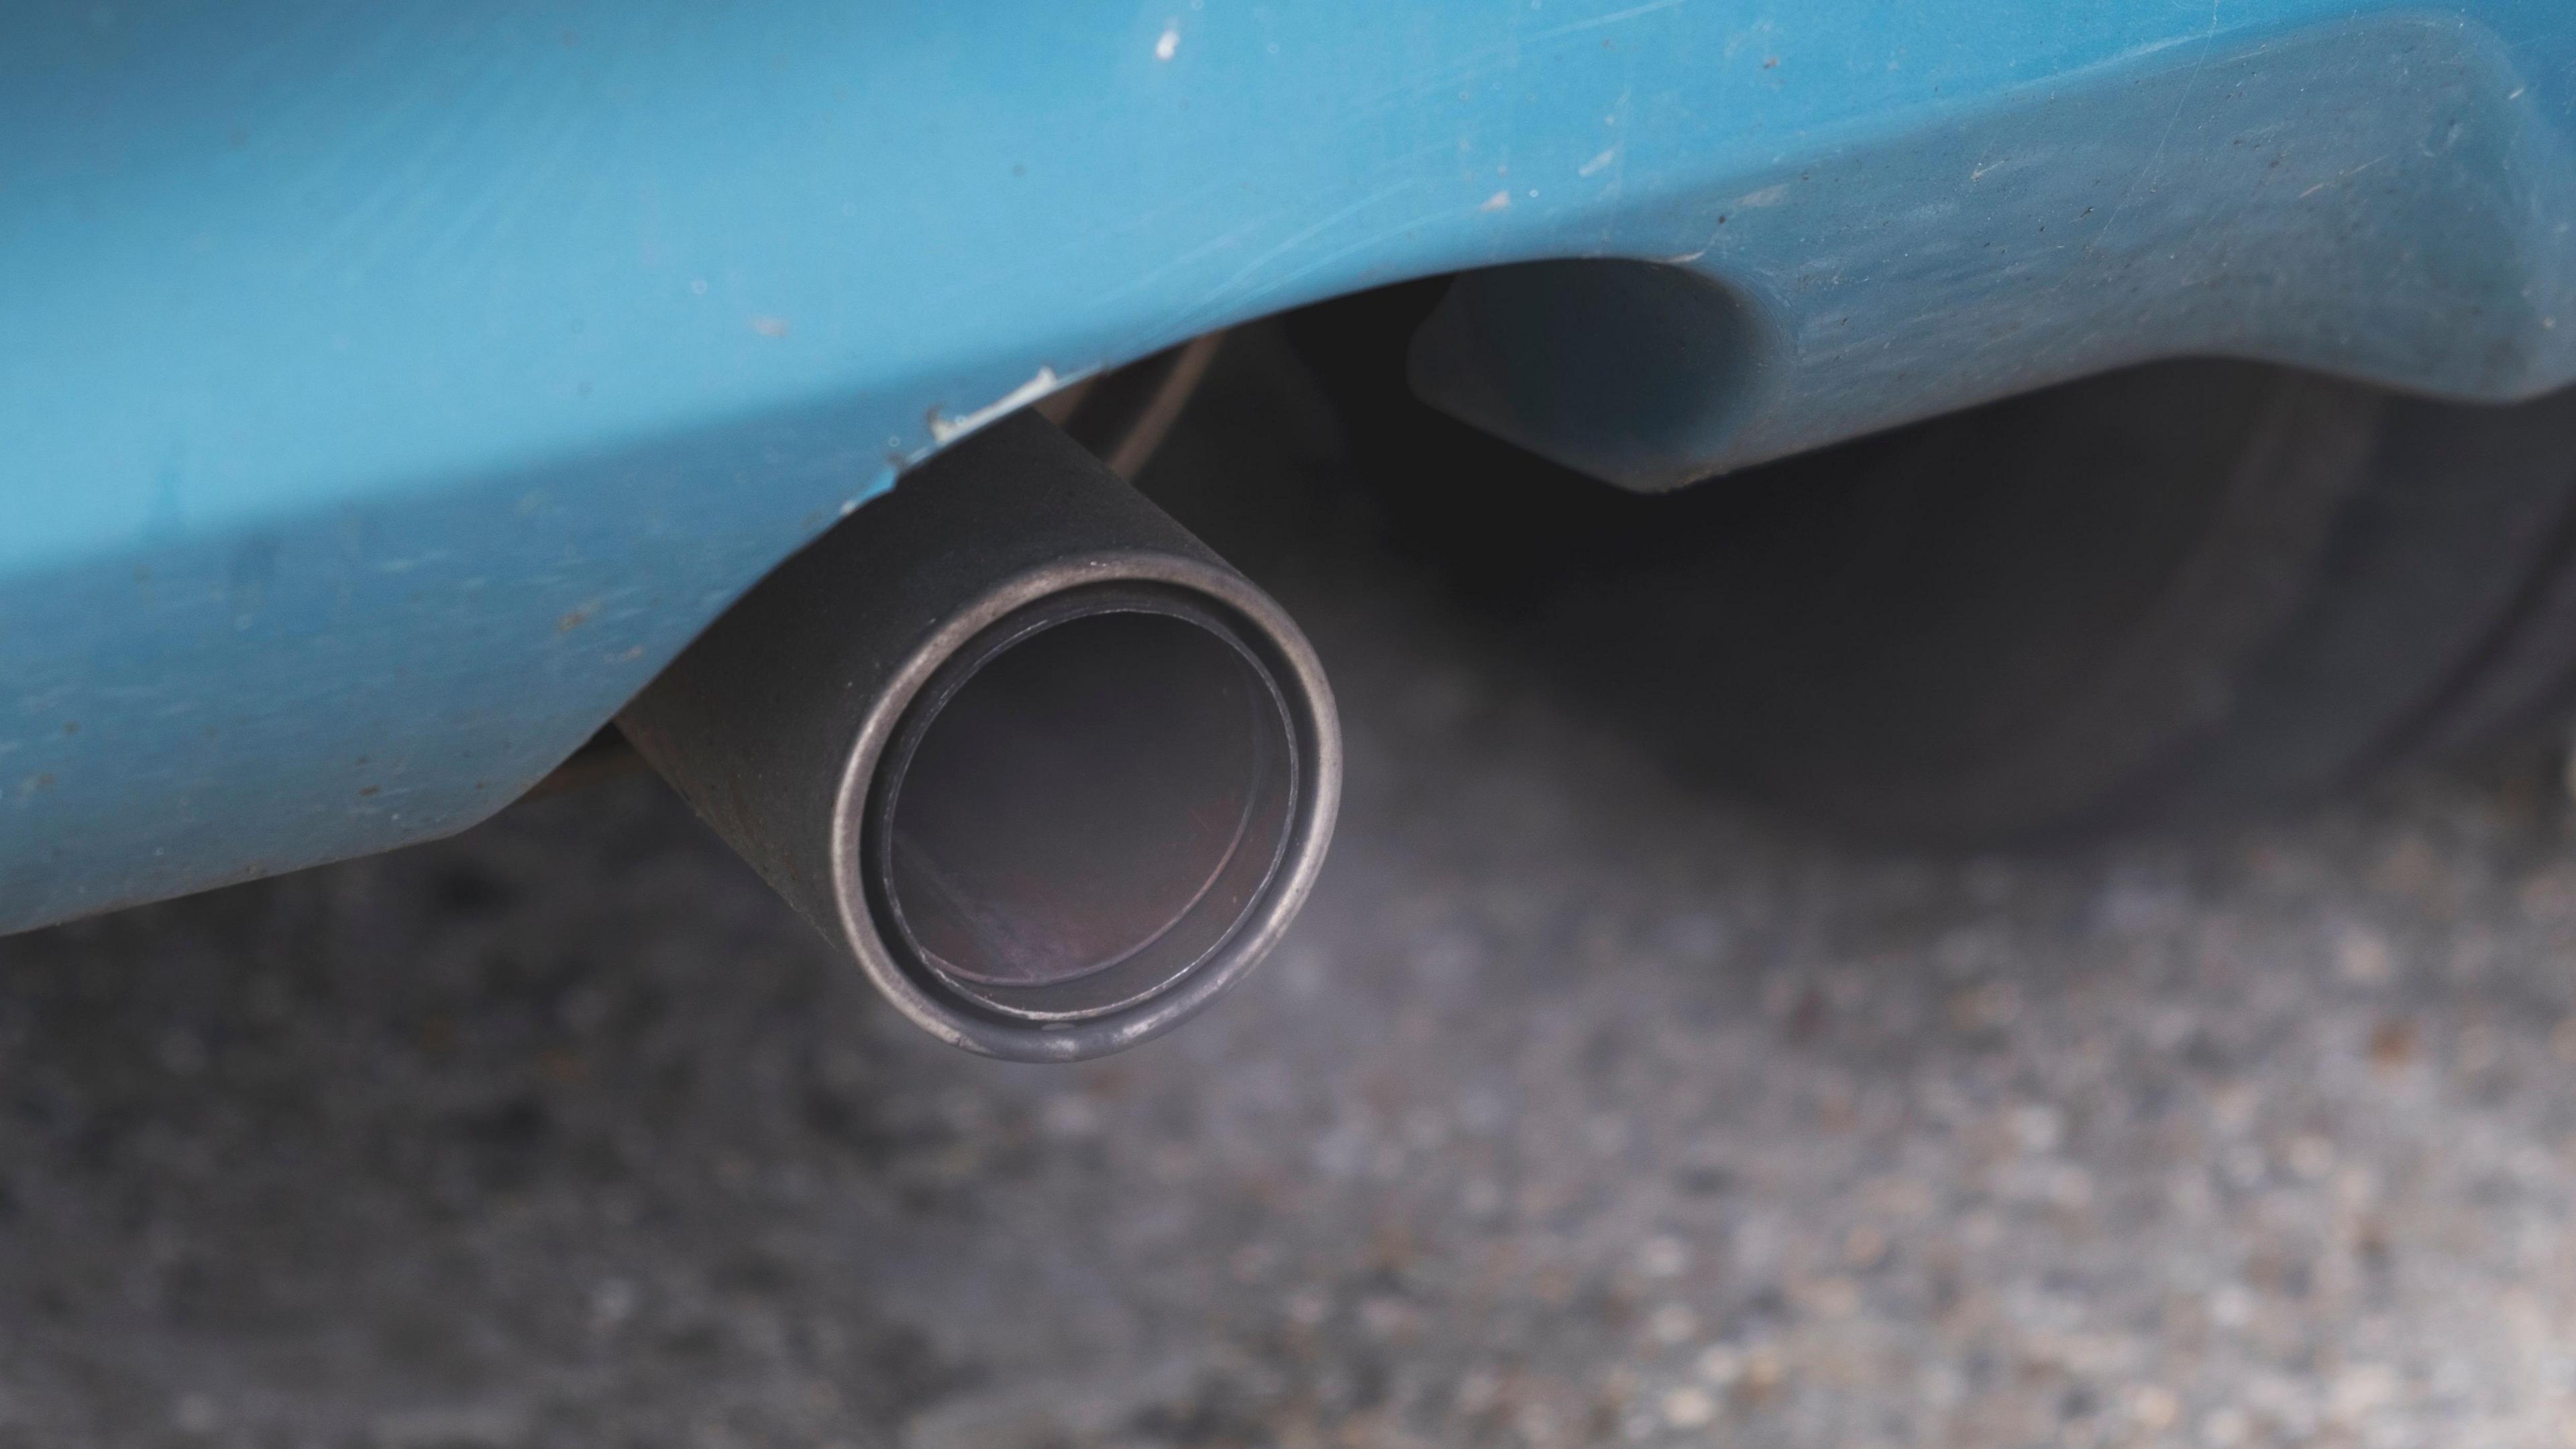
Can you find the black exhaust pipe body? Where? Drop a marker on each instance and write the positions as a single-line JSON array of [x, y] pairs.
[[1049, 769]]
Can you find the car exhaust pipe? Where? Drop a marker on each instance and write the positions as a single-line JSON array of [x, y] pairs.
[[1052, 772]]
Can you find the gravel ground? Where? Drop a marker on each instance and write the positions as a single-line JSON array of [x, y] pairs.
[[1579, 1109]]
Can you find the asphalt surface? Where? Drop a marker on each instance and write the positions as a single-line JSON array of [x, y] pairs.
[[1580, 1108]]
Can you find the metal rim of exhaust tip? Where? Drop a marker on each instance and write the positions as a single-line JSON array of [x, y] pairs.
[[1226, 927], [1179, 929]]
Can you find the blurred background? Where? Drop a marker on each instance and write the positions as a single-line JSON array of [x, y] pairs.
[[1591, 1101]]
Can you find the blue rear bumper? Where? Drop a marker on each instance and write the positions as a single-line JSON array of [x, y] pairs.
[[386, 392]]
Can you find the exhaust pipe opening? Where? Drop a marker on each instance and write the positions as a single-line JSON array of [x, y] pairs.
[[1084, 804], [1049, 770]]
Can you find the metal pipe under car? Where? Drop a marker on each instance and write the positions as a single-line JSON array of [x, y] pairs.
[[1049, 769]]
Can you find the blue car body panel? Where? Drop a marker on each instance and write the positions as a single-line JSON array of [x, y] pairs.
[[387, 391]]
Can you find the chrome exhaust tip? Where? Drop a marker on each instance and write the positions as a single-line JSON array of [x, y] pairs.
[[1052, 772]]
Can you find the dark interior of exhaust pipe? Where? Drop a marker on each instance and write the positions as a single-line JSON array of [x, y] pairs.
[[1084, 803]]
